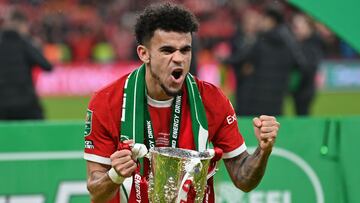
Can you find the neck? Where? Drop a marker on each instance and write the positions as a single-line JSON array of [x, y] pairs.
[[153, 87]]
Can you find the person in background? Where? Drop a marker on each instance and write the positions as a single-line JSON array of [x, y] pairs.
[[241, 45], [18, 57], [158, 91], [313, 47], [269, 63]]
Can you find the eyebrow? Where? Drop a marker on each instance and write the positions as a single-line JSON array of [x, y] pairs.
[[168, 47]]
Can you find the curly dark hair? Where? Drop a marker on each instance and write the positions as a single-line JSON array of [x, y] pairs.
[[167, 17]]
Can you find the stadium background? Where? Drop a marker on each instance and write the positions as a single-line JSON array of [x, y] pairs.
[[90, 43], [88, 34]]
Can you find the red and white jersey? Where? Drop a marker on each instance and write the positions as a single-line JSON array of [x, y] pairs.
[[102, 128]]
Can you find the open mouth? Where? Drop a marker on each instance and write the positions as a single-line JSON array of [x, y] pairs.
[[176, 74]]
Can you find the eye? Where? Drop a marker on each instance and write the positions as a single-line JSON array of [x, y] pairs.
[[167, 50], [185, 50]]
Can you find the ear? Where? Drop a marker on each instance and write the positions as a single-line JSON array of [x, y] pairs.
[[143, 53]]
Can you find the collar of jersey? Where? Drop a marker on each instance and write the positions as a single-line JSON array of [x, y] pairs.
[[159, 104]]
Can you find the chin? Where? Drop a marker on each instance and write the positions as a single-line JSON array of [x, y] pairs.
[[171, 92]]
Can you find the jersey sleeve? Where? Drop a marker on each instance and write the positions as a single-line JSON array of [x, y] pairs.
[[223, 127], [99, 142]]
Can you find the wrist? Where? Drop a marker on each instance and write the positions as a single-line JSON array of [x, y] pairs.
[[115, 177], [264, 151]]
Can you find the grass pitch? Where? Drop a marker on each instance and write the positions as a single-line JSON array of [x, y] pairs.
[[325, 104]]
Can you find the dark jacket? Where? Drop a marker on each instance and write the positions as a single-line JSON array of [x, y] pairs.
[[273, 56], [17, 58], [313, 49]]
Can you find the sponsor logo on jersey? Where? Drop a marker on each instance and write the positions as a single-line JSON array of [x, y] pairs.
[[88, 122], [89, 144], [231, 118]]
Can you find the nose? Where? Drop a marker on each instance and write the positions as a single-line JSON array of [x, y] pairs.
[[178, 57]]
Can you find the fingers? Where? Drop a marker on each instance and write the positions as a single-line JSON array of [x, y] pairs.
[[270, 136], [257, 122], [267, 130], [122, 162], [126, 169], [267, 120], [271, 123], [120, 153]]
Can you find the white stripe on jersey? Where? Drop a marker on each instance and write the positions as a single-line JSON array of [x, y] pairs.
[[235, 152]]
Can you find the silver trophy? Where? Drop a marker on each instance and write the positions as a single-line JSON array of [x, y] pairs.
[[174, 171]]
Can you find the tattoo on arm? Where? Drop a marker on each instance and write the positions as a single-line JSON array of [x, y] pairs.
[[246, 171]]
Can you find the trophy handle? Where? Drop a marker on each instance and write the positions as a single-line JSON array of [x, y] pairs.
[[216, 155], [194, 166]]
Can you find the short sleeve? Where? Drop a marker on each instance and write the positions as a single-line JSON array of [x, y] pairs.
[[99, 142], [223, 127]]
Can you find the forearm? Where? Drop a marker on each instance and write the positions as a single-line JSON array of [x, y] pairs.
[[104, 180], [246, 171], [101, 187]]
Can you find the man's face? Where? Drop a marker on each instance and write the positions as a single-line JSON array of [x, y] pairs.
[[169, 60], [267, 23]]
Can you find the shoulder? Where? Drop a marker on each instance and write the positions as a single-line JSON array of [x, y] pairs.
[[217, 106], [223, 128], [210, 93], [206, 86]]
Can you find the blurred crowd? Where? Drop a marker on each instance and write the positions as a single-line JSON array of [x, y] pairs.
[[267, 48], [79, 31]]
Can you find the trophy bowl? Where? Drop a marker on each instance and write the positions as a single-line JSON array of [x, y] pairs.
[[175, 171]]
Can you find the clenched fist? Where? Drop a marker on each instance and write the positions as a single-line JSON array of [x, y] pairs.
[[266, 129]]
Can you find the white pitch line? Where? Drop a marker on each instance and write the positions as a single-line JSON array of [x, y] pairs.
[[46, 155]]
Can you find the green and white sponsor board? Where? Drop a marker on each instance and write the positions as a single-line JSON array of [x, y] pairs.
[[314, 161], [275, 188], [339, 75], [42, 163]]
